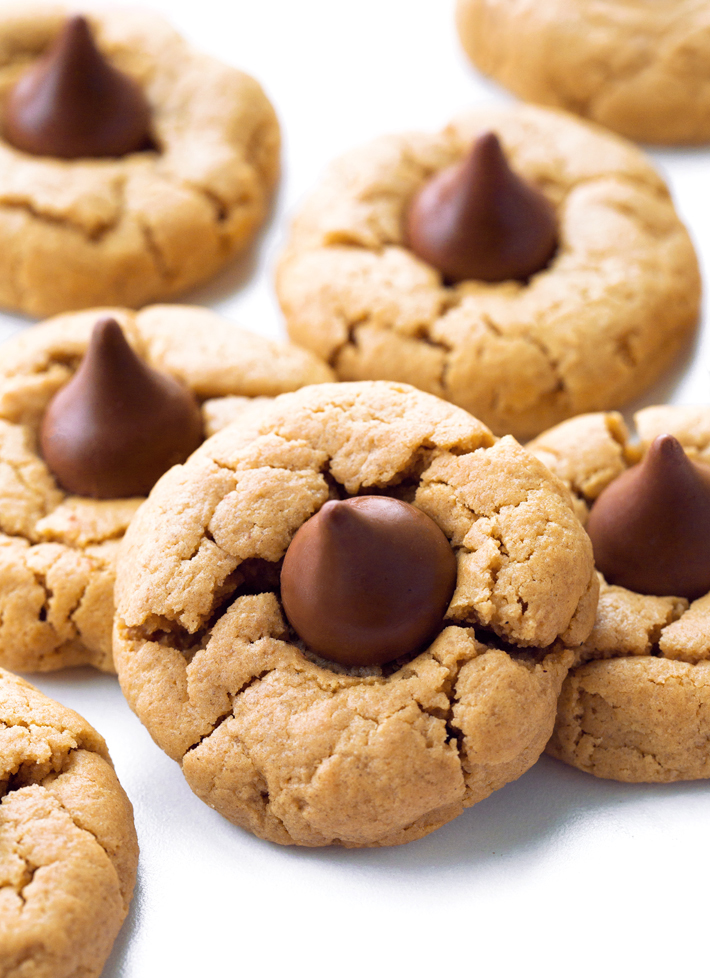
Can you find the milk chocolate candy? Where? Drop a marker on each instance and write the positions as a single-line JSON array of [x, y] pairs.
[[118, 424], [480, 220], [367, 580], [72, 103], [650, 528]]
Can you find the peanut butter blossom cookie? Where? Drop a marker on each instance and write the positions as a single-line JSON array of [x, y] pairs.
[[68, 850], [132, 166], [350, 618], [636, 66], [523, 264], [636, 707], [94, 407]]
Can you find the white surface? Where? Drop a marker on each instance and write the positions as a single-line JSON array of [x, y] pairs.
[[557, 873]]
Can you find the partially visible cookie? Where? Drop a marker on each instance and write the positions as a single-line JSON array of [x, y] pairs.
[[57, 550], [76, 233], [636, 706], [634, 66], [298, 748], [588, 331], [68, 848]]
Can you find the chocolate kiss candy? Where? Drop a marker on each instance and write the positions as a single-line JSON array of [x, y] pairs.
[[73, 103], [118, 424], [366, 580], [479, 220], [650, 528]]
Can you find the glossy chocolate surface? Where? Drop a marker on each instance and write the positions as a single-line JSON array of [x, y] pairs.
[[118, 424], [650, 528], [72, 103], [480, 220], [367, 580]]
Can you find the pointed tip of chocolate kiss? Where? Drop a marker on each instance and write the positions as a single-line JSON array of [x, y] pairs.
[[108, 346], [666, 450], [117, 425], [650, 528], [107, 331], [478, 220], [367, 579], [487, 153], [76, 33], [72, 103]]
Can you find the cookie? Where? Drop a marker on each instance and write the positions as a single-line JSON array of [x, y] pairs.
[[636, 706], [57, 548], [294, 746], [68, 849], [149, 224], [589, 331], [633, 66]]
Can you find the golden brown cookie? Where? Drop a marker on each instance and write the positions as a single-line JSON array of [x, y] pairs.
[[57, 551], [300, 750], [590, 331], [146, 226], [68, 849], [636, 706], [634, 66]]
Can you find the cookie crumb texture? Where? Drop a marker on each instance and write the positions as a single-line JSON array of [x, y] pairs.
[[57, 551], [636, 705], [68, 849], [634, 66], [151, 224], [301, 751], [591, 331]]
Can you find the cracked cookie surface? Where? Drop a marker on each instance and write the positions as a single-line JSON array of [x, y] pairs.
[[298, 750], [589, 332], [68, 848], [634, 66], [636, 705], [147, 226], [57, 551]]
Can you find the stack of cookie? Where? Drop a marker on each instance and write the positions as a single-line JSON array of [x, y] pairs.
[[351, 604]]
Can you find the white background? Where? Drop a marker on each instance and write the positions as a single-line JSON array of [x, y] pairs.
[[558, 873]]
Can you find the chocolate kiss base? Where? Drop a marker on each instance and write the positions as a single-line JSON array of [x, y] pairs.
[[118, 424], [367, 580], [650, 528], [480, 220], [74, 104]]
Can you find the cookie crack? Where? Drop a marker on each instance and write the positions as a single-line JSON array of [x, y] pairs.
[[351, 327], [154, 250], [10, 782], [27, 876], [40, 579], [262, 783], [22, 472], [28, 879], [674, 613], [76, 607], [417, 462], [229, 713], [31, 868], [560, 390], [222, 211], [94, 235], [27, 207], [68, 615], [125, 899]]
